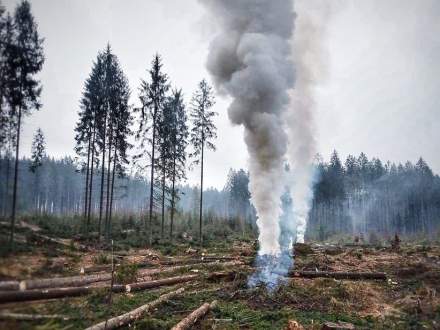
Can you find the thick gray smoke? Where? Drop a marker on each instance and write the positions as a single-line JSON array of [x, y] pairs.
[[250, 60]]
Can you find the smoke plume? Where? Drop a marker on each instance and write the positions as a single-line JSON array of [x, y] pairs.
[[309, 56], [250, 60]]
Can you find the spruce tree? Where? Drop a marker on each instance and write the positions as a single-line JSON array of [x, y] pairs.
[[24, 59], [152, 96], [38, 154], [179, 142], [87, 129], [203, 132]]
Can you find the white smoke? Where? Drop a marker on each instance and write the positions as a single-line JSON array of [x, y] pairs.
[[310, 56], [250, 60]]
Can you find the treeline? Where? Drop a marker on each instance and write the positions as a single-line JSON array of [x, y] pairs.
[[365, 198], [56, 187]]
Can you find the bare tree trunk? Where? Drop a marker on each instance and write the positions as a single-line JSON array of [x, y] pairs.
[[201, 198], [150, 217], [108, 185], [163, 197], [172, 199], [86, 198], [112, 190], [135, 314], [91, 180], [101, 198], [189, 321], [14, 196]]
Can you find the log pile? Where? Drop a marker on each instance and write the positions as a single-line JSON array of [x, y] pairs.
[[41, 294]]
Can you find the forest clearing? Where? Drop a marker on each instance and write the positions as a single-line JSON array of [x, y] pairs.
[[405, 298]]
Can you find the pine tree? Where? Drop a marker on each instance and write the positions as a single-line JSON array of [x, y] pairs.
[[24, 59], [203, 132], [152, 96]]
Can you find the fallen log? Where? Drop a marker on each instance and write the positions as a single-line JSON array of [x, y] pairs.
[[28, 295], [31, 317], [191, 319], [340, 275], [135, 314], [60, 282], [9, 285], [156, 283], [82, 280]]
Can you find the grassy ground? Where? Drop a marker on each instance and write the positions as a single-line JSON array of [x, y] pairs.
[[409, 300]]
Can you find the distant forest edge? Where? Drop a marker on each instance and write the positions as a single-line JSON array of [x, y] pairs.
[[358, 197]]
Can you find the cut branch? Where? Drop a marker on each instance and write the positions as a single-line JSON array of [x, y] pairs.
[[198, 314], [135, 314]]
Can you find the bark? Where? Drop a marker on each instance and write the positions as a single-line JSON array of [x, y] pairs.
[[112, 190], [31, 317], [86, 198], [14, 195], [189, 321], [157, 283], [59, 282], [135, 314], [9, 285], [150, 216], [340, 275], [91, 180], [101, 198], [163, 198], [201, 197], [27, 295], [172, 197], [107, 204]]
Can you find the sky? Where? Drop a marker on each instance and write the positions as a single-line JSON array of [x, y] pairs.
[[379, 91]]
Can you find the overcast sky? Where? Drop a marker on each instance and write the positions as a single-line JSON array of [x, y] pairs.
[[380, 94]]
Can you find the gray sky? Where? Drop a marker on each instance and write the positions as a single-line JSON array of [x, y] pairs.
[[380, 93]]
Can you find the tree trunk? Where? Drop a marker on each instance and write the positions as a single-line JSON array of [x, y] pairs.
[[340, 275], [31, 317], [86, 198], [150, 217], [26, 295], [9, 285], [60, 282], [163, 198], [157, 283], [189, 321], [101, 198], [8, 175], [15, 296], [107, 234], [14, 196], [172, 198], [135, 314], [201, 198], [111, 193], [92, 167]]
